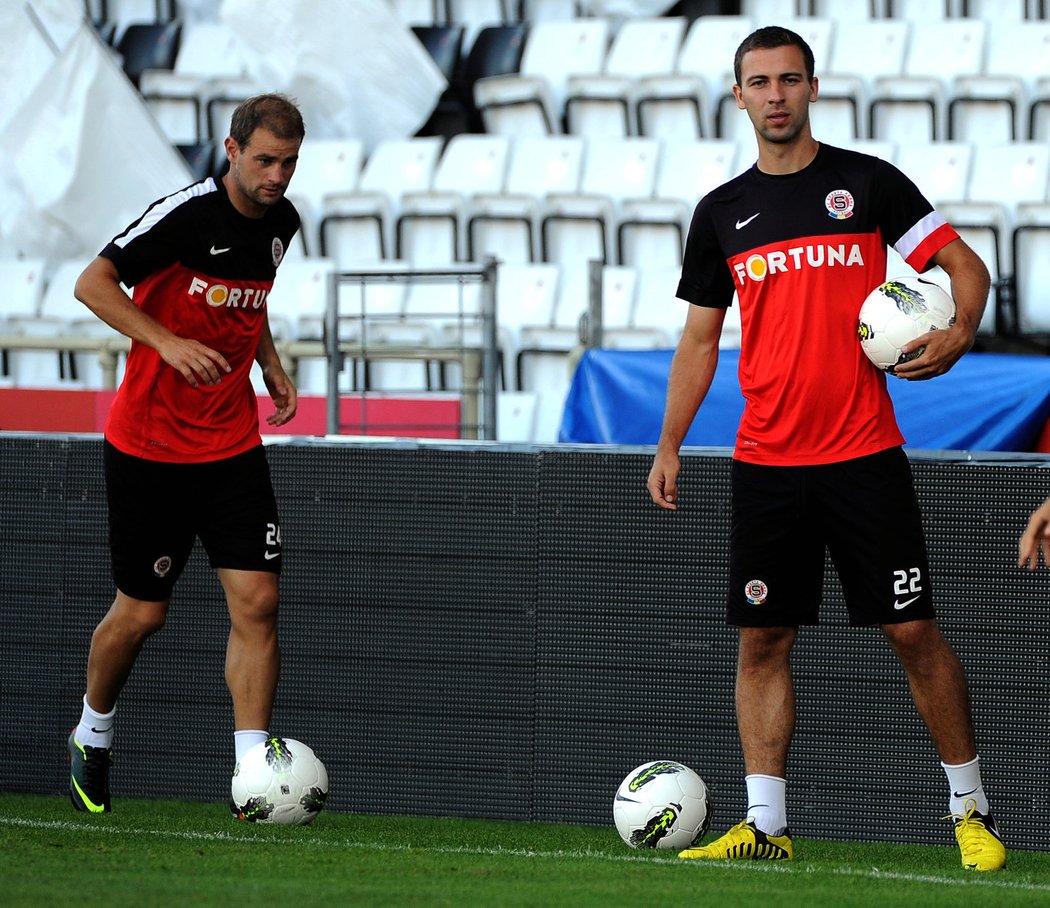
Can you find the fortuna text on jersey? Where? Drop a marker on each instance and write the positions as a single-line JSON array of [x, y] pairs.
[[758, 266], [219, 295]]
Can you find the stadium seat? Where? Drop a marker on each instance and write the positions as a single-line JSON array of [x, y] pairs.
[[619, 329], [602, 105], [578, 226], [713, 73], [475, 15], [325, 166], [224, 95], [651, 231], [1030, 243], [394, 167], [1010, 173], [148, 45], [983, 225], [516, 416], [941, 170], [877, 148], [506, 223], [431, 228], [210, 50], [532, 102], [656, 308], [297, 302], [914, 103], [862, 51], [23, 285], [59, 314], [201, 158], [444, 43], [496, 51], [985, 109], [175, 99], [525, 298]]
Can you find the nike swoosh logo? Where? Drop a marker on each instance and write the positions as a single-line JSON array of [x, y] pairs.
[[215, 251], [905, 603], [269, 556], [740, 224], [88, 803], [963, 794], [99, 731]]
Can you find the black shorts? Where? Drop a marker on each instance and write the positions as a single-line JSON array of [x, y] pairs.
[[863, 512], [157, 511]]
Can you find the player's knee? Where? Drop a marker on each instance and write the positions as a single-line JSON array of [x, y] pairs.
[[257, 608], [913, 640], [134, 618]]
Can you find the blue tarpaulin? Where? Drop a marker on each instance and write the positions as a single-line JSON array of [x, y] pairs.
[[987, 402]]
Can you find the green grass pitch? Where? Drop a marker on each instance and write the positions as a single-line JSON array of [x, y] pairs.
[[175, 853]]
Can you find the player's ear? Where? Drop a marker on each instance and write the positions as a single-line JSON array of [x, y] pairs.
[[739, 97], [813, 89], [231, 147]]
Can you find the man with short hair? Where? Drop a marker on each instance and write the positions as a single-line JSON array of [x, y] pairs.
[[182, 454], [801, 239]]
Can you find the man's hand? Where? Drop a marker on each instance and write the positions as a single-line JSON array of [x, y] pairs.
[[663, 479], [197, 363], [944, 348], [283, 393]]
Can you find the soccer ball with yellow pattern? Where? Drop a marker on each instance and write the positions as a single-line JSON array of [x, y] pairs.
[[899, 311], [279, 781], [662, 804]]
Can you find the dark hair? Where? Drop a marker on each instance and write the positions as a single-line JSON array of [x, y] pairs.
[[768, 38], [275, 112]]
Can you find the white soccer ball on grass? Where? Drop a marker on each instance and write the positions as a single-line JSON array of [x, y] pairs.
[[279, 781], [662, 804]]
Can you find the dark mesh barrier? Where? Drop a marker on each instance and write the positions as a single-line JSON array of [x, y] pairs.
[[505, 632]]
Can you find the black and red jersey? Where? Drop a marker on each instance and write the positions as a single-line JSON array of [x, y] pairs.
[[203, 270], [802, 251]]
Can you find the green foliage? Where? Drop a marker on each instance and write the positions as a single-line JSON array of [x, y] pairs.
[[165, 852]]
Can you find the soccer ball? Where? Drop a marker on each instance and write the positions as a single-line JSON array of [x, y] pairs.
[[280, 781], [662, 804], [899, 311]]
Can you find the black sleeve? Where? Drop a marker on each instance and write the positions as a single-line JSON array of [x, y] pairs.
[[706, 278]]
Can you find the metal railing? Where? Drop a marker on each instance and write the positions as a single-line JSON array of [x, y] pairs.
[[463, 334], [464, 337]]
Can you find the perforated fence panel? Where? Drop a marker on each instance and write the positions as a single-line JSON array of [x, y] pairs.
[[504, 632]]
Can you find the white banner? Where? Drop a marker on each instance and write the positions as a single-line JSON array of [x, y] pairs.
[[80, 157], [355, 68]]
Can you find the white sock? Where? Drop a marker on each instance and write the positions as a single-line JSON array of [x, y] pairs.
[[767, 803], [95, 729], [964, 779], [246, 739]]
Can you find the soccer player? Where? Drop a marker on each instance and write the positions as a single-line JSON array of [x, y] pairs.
[[801, 239], [183, 456]]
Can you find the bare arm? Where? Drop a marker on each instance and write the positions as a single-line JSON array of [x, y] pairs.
[[98, 288], [692, 371], [970, 284], [281, 388]]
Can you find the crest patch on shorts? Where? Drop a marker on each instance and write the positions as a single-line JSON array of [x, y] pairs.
[[756, 592]]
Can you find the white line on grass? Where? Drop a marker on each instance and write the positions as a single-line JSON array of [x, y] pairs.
[[873, 873]]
